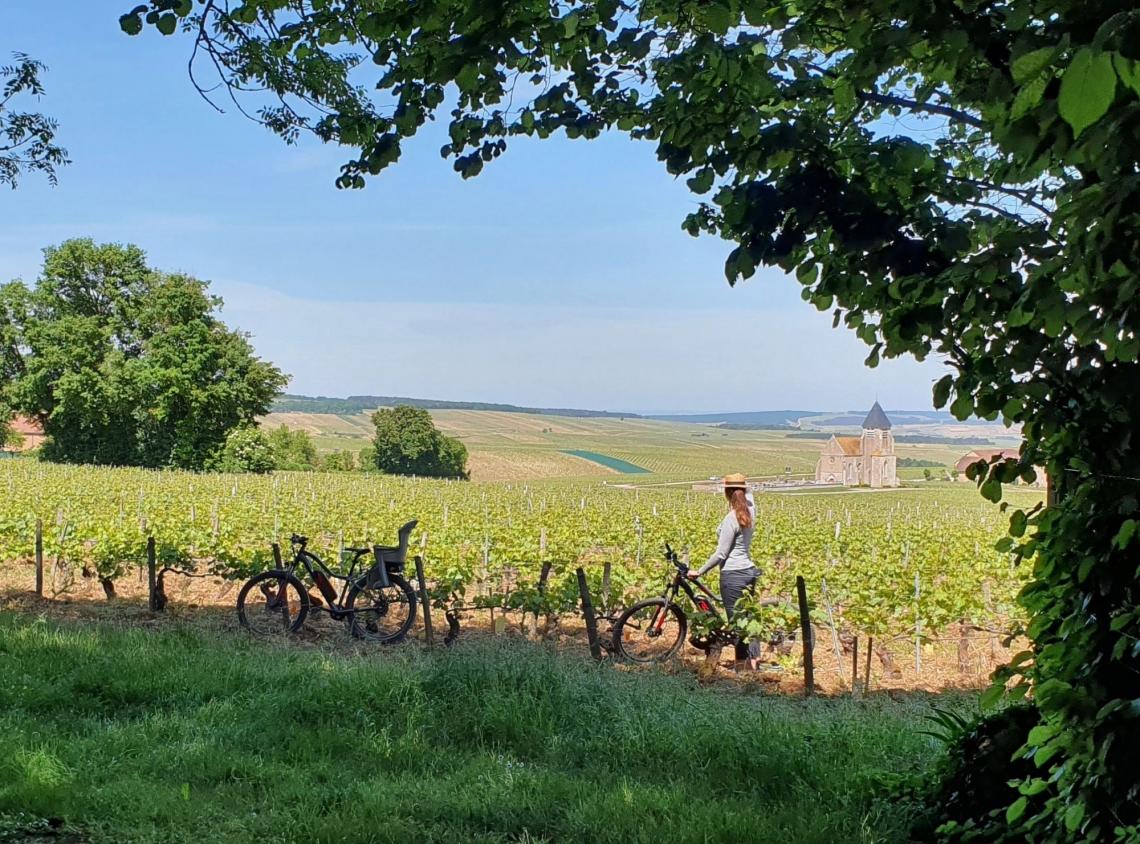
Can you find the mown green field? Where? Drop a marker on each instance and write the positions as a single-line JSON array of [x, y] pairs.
[[173, 735]]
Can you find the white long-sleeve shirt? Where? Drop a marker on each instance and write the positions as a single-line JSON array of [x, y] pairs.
[[733, 544]]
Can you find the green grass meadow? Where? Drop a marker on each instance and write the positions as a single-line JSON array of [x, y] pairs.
[[184, 735]]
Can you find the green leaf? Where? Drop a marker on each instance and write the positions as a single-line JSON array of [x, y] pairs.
[[963, 406], [130, 24], [167, 24], [1073, 816], [942, 390], [1016, 810], [807, 273], [1087, 89], [1028, 97], [1029, 65], [1128, 71], [1017, 523], [1125, 534], [717, 17]]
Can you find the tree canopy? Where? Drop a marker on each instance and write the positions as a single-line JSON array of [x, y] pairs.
[[958, 177], [408, 443], [27, 139], [126, 365]]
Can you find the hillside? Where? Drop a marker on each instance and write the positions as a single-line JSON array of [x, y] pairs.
[[359, 404], [521, 446]]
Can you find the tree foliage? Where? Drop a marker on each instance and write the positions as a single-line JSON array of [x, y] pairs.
[[292, 449], [27, 139], [126, 365], [248, 449], [408, 443], [951, 177]]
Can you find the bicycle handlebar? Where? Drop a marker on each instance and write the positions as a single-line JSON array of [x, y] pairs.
[[297, 539]]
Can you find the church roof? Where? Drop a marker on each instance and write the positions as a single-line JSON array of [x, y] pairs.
[[850, 445], [877, 419]]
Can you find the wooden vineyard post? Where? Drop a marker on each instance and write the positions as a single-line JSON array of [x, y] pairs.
[[834, 632], [855, 668], [276, 555], [606, 573], [39, 558], [588, 612], [424, 600], [917, 629], [867, 674], [542, 578], [805, 630], [152, 583]]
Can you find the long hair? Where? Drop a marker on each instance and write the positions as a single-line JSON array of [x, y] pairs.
[[739, 502]]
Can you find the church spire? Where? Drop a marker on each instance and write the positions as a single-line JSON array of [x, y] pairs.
[[877, 419]]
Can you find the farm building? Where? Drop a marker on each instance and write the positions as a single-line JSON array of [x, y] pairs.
[[26, 434], [988, 454], [865, 460]]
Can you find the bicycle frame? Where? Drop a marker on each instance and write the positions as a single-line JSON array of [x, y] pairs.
[[312, 564]]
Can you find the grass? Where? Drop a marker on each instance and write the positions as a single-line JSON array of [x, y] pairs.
[[181, 735]]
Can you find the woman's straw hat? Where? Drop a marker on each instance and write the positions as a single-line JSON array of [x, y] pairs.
[[736, 481]]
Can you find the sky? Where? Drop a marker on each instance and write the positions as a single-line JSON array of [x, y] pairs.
[[558, 277]]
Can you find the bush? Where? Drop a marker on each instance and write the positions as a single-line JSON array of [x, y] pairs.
[[969, 796], [247, 450], [292, 450]]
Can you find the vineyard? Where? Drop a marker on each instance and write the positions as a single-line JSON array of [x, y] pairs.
[[902, 566]]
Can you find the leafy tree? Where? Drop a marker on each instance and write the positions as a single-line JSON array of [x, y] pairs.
[[27, 140], [247, 449], [126, 365], [339, 461], [408, 443], [292, 449], [958, 177], [366, 459]]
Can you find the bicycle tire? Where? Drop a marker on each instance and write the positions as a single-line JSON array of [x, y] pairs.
[[399, 589], [624, 628], [244, 605]]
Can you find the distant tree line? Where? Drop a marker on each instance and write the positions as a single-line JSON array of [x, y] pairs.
[[289, 403]]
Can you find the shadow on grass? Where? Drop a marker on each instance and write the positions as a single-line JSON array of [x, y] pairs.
[[176, 731]]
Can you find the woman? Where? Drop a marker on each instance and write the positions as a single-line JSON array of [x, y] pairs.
[[734, 539]]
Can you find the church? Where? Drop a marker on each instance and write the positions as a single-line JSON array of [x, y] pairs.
[[865, 460]]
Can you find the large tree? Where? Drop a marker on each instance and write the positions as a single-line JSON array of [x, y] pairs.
[[959, 177], [408, 443], [126, 365], [27, 138]]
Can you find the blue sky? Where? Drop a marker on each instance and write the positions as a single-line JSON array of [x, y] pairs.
[[559, 276]]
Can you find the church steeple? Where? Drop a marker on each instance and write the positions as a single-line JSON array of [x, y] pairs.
[[876, 419]]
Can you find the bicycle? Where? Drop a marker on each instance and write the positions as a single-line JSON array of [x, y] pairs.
[[654, 630], [376, 604]]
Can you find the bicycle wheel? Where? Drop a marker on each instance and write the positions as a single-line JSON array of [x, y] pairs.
[[272, 602], [650, 631], [382, 614]]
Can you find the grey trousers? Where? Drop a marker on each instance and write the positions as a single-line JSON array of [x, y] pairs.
[[733, 585]]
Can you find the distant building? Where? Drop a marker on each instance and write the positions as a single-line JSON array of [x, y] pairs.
[[865, 460], [987, 455], [27, 433]]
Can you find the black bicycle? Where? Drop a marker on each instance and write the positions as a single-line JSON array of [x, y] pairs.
[[654, 630], [376, 603]]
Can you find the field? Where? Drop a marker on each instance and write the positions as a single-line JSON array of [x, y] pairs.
[[121, 724], [522, 446], [910, 567], [169, 734]]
